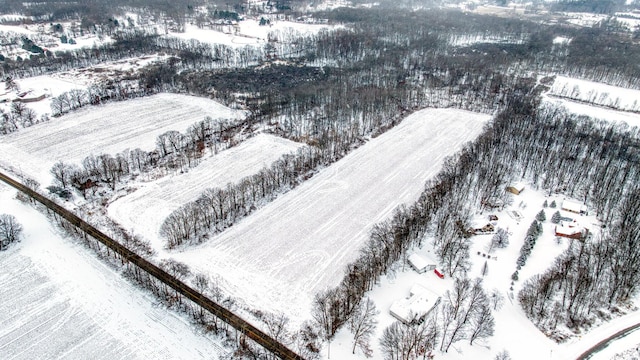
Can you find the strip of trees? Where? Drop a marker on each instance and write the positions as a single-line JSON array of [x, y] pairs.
[[174, 151], [218, 208]]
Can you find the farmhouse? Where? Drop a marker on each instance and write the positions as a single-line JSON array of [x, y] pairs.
[[574, 207], [413, 309], [571, 230], [516, 188], [420, 263], [486, 229]]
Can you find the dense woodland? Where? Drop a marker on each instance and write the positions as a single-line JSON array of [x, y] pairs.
[[336, 89]]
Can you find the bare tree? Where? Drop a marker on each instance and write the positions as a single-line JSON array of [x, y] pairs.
[[400, 341], [496, 299], [277, 327], [499, 240], [62, 173], [175, 268], [10, 230], [482, 323], [362, 324]]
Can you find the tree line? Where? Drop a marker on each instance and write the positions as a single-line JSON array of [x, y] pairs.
[[174, 151]]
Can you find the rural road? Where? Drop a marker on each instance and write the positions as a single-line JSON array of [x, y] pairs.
[[604, 343]]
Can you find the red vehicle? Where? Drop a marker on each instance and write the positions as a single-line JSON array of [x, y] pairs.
[[440, 274]]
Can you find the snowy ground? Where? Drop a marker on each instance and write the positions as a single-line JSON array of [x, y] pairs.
[[596, 112], [278, 258], [144, 210], [59, 301], [618, 98], [56, 84], [513, 332], [109, 128], [249, 32]]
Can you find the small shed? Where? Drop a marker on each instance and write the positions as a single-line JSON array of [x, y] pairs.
[[574, 207], [421, 263], [516, 188], [414, 308]]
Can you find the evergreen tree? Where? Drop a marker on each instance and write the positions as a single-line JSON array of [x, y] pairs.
[[541, 216], [555, 218]]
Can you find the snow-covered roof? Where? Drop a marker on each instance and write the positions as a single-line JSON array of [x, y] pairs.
[[419, 261], [518, 186], [418, 304], [569, 229], [573, 206]]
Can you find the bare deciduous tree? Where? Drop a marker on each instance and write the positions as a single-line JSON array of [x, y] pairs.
[[10, 230], [362, 324]]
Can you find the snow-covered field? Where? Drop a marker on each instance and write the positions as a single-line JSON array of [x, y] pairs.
[[248, 32], [144, 210], [278, 258], [109, 128], [472, 39], [595, 112], [513, 331], [618, 98], [60, 302]]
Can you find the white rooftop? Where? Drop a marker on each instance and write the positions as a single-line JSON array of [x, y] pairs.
[[419, 261], [418, 304], [573, 206]]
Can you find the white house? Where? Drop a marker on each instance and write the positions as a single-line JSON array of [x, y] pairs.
[[414, 308], [574, 207], [420, 263]]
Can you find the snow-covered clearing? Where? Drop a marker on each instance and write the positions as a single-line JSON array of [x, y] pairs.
[[278, 258], [618, 98], [59, 301], [109, 128], [249, 32], [472, 39], [144, 210], [595, 112], [513, 331]]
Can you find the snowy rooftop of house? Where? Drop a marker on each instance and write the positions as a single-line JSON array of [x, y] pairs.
[[573, 206], [419, 303], [420, 261], [518, 186], [569, 228]]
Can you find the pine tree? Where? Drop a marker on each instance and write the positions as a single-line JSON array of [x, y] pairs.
[[553, 204], [555, 218], [545, 204], [541, 216]]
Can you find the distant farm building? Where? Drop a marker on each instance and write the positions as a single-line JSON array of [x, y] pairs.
[[486, 229], [574, 207], [493, 202], [571, 230], [516, 188], [413, 309], [421, 263]]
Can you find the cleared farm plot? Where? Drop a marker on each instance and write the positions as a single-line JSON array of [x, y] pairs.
[[278, 258], [59, 301], [145, 209], [596, 93], [596, 112], [110, 128]]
